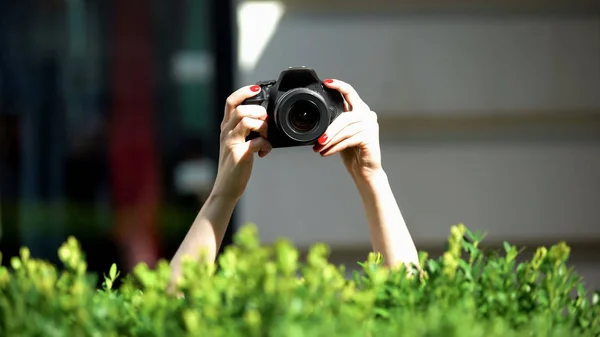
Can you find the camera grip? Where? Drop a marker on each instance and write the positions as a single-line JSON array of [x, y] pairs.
[[259, 99], [252, 135], [256, 100]]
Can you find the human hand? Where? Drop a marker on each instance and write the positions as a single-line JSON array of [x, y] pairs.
[[236, 154], [354, 134]]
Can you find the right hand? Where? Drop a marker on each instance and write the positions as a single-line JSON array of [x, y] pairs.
[[236, 154]]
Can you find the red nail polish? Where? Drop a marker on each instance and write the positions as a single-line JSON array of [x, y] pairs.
[[255, 88], [322, 139], [328, 81]]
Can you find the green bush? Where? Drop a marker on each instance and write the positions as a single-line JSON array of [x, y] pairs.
[[257, 290]]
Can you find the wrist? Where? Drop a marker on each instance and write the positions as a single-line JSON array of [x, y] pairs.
[[372, 187], [370, 178], [217, 197]]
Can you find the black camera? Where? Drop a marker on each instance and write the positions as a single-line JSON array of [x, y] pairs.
[[299, 107]]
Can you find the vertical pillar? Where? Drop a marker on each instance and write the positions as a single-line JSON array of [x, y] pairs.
[[132, 148], [223, 46]]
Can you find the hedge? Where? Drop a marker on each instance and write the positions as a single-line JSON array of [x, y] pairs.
[[265, 290]]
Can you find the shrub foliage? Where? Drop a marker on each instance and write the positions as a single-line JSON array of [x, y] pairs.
[[258, 290]]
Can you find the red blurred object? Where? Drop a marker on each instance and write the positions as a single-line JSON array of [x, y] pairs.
[[133, 153]]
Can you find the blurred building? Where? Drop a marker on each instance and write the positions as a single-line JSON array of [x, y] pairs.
[[100, 102], [489, 115]]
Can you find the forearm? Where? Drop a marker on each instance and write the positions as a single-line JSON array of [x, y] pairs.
[[206, 234], [389, 233]]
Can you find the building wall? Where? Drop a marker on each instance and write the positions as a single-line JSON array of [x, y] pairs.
[[524, 185]]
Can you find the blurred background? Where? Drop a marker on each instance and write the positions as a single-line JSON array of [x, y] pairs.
[[110, 112]]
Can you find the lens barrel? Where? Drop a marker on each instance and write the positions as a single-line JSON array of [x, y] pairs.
[[302, 115]]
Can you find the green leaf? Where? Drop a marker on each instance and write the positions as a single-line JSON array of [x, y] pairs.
[[270, 290], [113, 271]]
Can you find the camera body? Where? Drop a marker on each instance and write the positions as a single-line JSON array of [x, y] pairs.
[[299, 107]]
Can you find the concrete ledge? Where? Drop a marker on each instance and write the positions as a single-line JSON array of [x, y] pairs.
[[414, 121], [526, 126], [561, 7]]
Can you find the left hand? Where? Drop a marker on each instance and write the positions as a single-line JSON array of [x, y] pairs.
[[354, 134]]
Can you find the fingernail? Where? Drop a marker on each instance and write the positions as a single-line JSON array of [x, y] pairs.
[[322, 139], [328, 81], [255, 88]]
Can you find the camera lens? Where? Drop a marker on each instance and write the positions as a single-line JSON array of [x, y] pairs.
[[301, 114], [304, 116]]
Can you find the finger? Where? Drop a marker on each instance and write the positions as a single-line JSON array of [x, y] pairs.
[[260, 145], [349, 93], [237, 98], [263, 152], [347, 107], [348, 132], [245, 126], [243, 111], [341, 122], [347, 143]]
